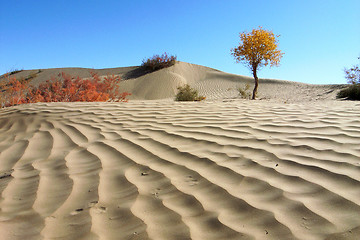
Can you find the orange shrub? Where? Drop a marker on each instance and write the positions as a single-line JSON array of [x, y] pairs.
[[67, 89], [12, 91]]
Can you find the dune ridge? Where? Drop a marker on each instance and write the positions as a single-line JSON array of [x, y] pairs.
[[169, 170], [211, 83]]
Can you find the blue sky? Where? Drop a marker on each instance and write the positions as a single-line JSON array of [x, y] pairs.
[[319, 38]]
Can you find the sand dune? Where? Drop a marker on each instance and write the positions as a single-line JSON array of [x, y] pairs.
[[211, 83], [167, 170], [284, 167], [215, 84]]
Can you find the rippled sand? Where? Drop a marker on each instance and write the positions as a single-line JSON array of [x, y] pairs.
[[167, 170]]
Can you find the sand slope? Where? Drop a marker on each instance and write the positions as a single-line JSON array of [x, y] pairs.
[[211, 83], [168, 170], [214, 84]]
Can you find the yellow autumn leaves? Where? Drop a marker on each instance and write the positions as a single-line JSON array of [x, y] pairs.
[[258, 48]]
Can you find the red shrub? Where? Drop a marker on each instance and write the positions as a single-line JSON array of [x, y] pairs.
[[12, 91], [67, 89]]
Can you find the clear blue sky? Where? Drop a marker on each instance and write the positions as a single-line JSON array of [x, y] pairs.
[[319, 37]]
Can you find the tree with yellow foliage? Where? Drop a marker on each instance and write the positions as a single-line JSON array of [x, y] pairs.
[[257, 49]]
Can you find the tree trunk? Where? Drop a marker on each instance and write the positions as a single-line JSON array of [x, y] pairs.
[[256, 82]]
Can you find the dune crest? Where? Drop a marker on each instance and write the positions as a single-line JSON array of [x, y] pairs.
[[169, 170]]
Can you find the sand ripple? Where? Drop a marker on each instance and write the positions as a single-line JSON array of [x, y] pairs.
[[166, 170]]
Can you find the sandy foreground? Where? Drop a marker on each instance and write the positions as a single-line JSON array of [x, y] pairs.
[[281, 168]]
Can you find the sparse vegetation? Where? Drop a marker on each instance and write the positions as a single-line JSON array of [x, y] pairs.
[[353, 74], [157, 62], [29, 77], [15, 71], [351, 93], [244, 91], [186, 93], [64, 89], [353, 77]]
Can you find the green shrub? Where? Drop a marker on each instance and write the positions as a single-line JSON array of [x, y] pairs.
[[186, 93], [351, 93], [157, 62], [244, 92]]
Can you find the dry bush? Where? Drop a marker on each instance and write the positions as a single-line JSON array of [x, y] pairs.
[[244, 92], [353, 74], [15, 71], [353, 77], [186, 93], [351, 93], [157, 62]]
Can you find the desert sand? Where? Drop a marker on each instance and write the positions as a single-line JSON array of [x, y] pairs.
[[286, 166]]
